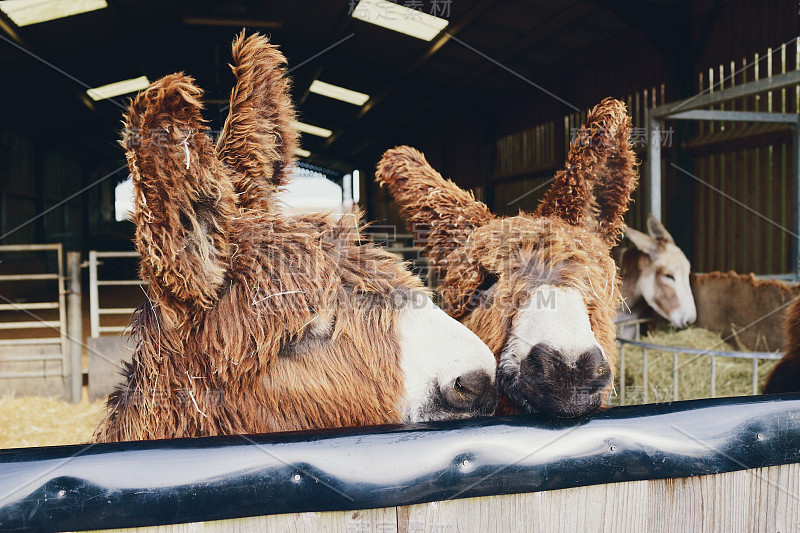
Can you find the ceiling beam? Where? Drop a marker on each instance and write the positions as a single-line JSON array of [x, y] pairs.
[[121, 20], [337, 33], [236, 23], [650, 18], [456, 27], [540, 34]]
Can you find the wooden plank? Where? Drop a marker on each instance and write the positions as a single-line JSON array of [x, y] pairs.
[[595, 508], [27, 277], [369, 521], [766, 499], [34, 305], [30, 324]]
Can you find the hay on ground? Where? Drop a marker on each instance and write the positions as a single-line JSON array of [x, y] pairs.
[[27, 421]]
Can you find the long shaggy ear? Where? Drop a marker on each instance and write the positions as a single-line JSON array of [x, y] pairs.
[[258, 141], [184, 197], [595, 188], [441, 214]]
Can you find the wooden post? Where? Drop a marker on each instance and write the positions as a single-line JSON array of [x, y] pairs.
[[75, 324]]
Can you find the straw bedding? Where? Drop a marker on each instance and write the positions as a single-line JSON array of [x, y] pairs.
[[27, 421]]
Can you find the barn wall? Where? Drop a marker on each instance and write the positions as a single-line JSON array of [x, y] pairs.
[[17, 188], [72, 187], [36, 177], [645, 67], [744, 225]]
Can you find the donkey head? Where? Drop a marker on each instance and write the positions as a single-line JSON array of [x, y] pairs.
[[302, 324], [663, 279], [540, 289]]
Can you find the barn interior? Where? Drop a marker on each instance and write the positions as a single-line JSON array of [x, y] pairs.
[[492, 91], [490, 100]]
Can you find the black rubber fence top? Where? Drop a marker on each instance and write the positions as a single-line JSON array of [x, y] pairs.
[[188, 480]]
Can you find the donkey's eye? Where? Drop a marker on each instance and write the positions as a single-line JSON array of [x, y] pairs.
[[669, 277], [457, 386]]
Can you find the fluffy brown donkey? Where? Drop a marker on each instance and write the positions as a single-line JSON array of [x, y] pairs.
[[540, 289], [258, 322], [785, 377]]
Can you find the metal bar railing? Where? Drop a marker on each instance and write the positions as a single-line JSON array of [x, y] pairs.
[[33, 324], [95, 310], [677, 350], [398, 243], [29, 306], [698, 351]]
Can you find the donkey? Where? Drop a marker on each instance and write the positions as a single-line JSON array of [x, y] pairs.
[[258, 322], [540, 289], [785, 377], [655, 273]]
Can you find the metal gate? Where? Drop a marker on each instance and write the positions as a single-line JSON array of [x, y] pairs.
[[18, 356], [711, 355], [95, 310]]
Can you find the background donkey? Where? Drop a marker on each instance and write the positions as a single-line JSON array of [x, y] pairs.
[[540, 289], [655, 275], [259, 322], [785, 377]]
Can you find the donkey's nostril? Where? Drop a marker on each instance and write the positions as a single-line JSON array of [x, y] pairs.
[[476, 383], [470, 391]]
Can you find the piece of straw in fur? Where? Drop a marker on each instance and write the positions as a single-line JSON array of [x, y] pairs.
[[186, 147]]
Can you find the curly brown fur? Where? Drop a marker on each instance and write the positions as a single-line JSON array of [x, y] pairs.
[[255, 322], [785, 377], [600, 174], [526, 252], [184, 201], [260, 361], [442, 217], [258, 141], [491, 266]]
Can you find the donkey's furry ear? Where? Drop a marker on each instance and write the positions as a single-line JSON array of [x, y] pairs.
[[442, 217], [595, 187], [184, 199], [258, 140], [642, 241], [441, 214], [657, 230], [618, 177]]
